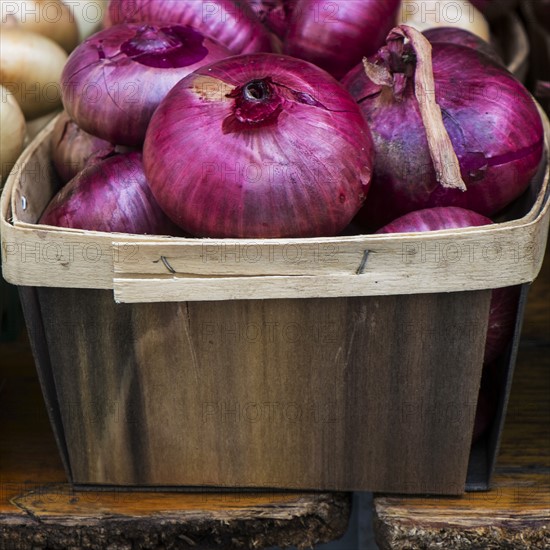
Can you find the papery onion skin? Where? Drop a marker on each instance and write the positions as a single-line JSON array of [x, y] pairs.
[[435, 219], [294, 163], [504, 301], [492, 121], [111, 196], [30, 69], [12, 132], [337, 34], [274, 14], [111, 90], [50, 18], [72, 148], [462, 37], [233, 24]]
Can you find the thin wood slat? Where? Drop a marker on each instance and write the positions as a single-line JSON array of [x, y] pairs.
[[146, 269]]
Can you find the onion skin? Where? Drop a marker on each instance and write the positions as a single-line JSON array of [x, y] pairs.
[[73, 148], [337, 34], [50, 18], [426, 14], [296, 162], [435, 219], [498, 139], [274, 14], [233, 24], [12, 132], [30, 69], [462, 37], [111, 196], [504, 301], [111, 90]]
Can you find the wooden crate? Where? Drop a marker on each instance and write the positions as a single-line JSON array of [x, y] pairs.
[[345, 363]]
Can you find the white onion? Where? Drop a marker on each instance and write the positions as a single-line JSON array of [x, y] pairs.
[[51, 18], [30, 69], [12, 132], [88, 14]]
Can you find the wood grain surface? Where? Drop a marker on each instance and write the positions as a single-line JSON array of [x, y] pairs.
[[515, 514], [38, 509], [276, 393]]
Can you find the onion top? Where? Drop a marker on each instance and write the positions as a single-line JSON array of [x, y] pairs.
[[115, 80]]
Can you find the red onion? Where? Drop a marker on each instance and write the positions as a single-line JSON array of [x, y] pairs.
[[475, 143], [504, 301], [73, 148], [336, 34], [462, 37], [114, 81], [111, 195], [434, 219], [232, 23], [274, 14], [495, 8], [262, 145]]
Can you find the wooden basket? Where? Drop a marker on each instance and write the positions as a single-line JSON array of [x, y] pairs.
[[349, 363], [511, 41]]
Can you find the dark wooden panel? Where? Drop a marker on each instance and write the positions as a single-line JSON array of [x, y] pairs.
[[38, 509], [514, 514], [347, 394]]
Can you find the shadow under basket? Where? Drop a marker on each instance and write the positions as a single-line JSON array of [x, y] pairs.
[[11, 316], [345, 363]]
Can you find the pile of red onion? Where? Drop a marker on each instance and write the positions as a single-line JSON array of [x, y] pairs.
[[244, 131]]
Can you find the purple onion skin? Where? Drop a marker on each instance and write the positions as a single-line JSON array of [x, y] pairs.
[[435, 219], [113, 82], [504, 301], [274, 14], [112, 196], [493, 124], [294, 162], [73, 148], [337, 34], [232, 23], [495, 8], [462, 37]]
